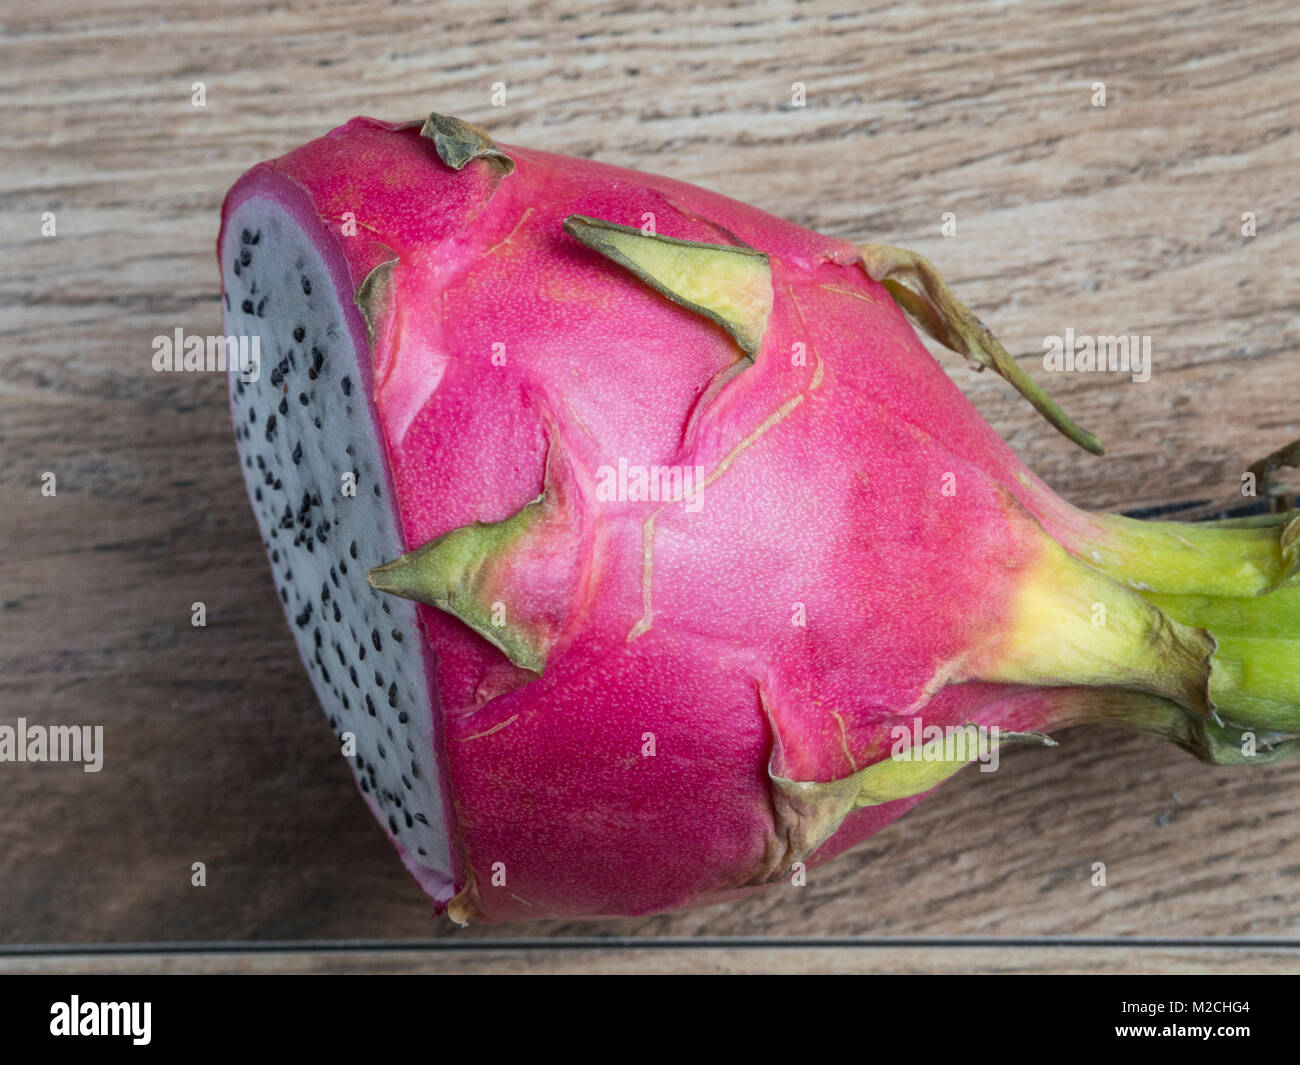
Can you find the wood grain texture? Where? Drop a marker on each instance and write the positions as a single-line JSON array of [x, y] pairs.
[[950, 959], [1117, 220]]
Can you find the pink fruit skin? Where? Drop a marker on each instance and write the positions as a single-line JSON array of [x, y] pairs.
[[829, 506]]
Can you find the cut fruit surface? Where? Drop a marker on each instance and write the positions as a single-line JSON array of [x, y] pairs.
[[316, 475]]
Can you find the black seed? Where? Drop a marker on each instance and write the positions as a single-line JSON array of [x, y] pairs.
[[409, 822], [324, 673], [236, 274], [415, 770], [276, 486], [364, 786], [252, 415], [347, 391], [257, 494], [378, 494], [343, 567], [275, 556], [306, 286], [392, 694], [384, 607], [382, 754], [246, 306], [337, 616], [299, 333], [324, 593], [316, 633], [342, 661], [297, 453], [302, 619], [245, 256], [334, 576], [370, 706], [302, 398], [352, 672], [316, 422], [379, 681], [246, 237], [361, 651], [346, 704], [261, 306], [270, 427], [392, 823], [320, 533], [284, 594], [374, 638], [402, 716], [421, 851], [422, 819], [270, 478], [352, 549], [396, 634], [284, 406]]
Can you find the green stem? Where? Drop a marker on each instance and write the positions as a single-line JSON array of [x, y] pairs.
[[1212, 743], [1255, 679], [1236, 582], [1178, 558]]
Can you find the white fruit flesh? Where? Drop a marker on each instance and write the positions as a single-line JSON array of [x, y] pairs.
[[302, 428]]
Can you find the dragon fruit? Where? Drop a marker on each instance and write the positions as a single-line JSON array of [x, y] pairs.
[[621, 528]]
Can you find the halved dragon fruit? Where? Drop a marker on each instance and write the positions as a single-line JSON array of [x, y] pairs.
[[622, 528]]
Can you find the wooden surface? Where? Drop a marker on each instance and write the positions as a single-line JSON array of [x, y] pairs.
[[1117, 220], [803, 958]]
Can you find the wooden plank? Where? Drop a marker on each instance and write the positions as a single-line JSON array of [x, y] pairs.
[[806, 961], [1122, 219]]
